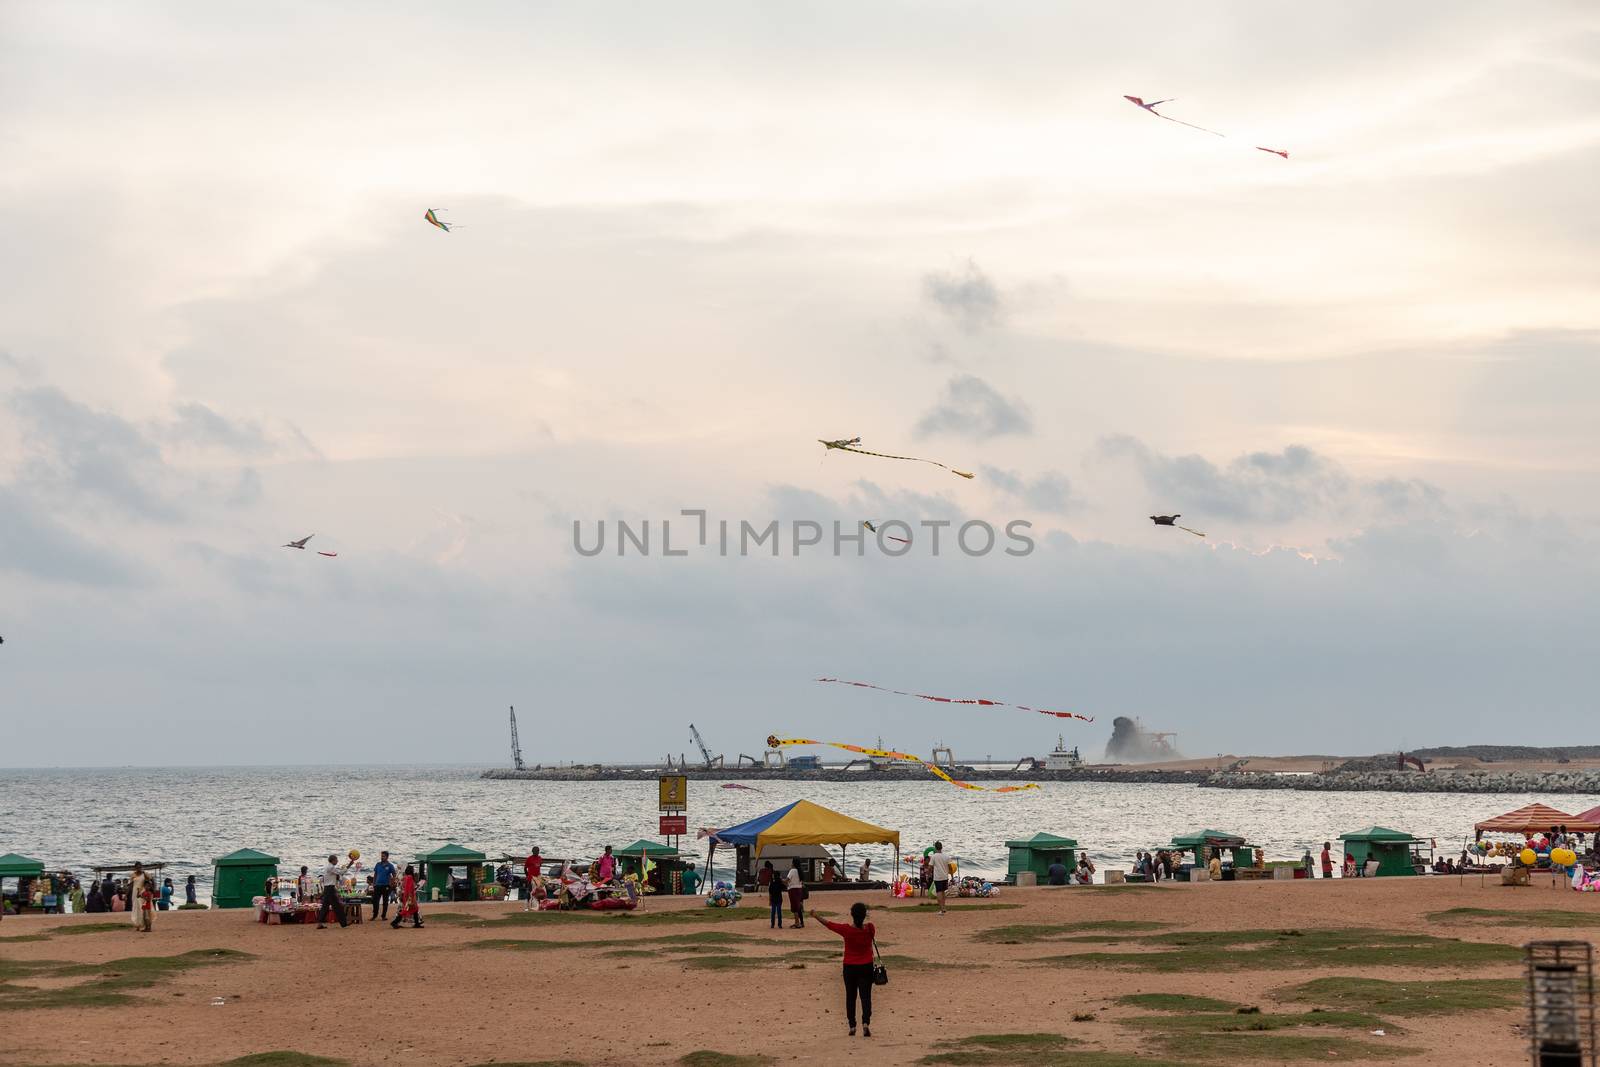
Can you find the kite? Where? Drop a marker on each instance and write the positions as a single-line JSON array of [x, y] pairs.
[[883, 753], [330, 555], [434, 220], [847, 445], [892, 537], [1151, 107], [955, 700], [300, 543], [1171, 520], [736, 785]]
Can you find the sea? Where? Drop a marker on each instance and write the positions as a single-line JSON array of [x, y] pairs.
[[186, 816]]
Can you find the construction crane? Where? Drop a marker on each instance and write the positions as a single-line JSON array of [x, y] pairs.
[[700, 742], [516, 747]]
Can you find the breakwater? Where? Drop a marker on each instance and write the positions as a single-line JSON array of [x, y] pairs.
[[593, 773], [1584, 781]]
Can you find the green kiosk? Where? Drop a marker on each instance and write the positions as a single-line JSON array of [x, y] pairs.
[[438, 875], [1390, 848], [239, 877], [24, 869], [1202, 843], [629, 859], [1037, 853]]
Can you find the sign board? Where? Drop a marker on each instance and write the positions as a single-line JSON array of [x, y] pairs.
[[674, 825], [674, 792]]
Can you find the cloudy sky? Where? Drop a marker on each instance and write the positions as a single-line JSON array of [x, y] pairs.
[[695, 238]]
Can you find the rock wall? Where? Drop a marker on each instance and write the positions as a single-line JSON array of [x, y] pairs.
[[1412, 782]]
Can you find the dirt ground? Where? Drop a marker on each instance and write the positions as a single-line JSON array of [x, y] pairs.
[[370, 994]]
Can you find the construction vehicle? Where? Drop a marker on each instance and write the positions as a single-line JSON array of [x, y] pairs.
[[700, 743], [516, 747], [743, 759], [1401, 760]]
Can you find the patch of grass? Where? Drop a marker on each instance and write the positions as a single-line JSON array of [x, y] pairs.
[[109, 984], [632, 953], [1023, 933], [1012, 1042], [1407, 998], [1252, 1022], [1551, 917], [1175, 1002], [707, 1058], [1035, 1050], [284, 1059], [23, 938], [1252, 950], [89, 928], [1280, 1048]]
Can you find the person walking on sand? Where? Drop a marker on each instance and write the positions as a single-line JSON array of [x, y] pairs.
[[142, 899], [859, 943], [330, 896], [408, 901], [165, 901], [382, 885], [941, 873], [189, 891], [797, 893], [1327, 859], [774, 895]]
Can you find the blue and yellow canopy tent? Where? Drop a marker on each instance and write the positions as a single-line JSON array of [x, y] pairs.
[[802, 823]]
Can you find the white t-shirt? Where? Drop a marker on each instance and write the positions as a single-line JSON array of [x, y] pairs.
[[941, 867], [330, 876], [792, 879]]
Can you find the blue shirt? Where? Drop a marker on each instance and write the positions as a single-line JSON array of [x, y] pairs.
[[383, 872]]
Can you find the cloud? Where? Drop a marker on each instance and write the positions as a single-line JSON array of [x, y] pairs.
[[972, 408], [34, 544], [1266, 486], [968, 297], [73, 451], [1050, 492], [195, 424]]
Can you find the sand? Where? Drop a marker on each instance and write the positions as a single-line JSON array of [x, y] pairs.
[[370, 994]]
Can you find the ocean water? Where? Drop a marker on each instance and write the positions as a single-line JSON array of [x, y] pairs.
[[186, 816]]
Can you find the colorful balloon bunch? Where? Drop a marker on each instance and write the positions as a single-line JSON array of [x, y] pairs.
[[723, 895]]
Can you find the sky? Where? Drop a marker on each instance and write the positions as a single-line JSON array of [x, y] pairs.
[[694, 239]]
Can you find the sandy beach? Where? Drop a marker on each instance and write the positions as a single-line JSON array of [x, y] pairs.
[[487, 983]]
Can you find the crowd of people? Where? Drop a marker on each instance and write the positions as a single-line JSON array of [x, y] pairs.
[[61, 893]]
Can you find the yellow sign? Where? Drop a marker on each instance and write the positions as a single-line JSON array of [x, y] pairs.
[[674, 792]]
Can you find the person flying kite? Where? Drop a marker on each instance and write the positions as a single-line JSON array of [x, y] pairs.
[[848, 445], [434, 220], [1172, 520]]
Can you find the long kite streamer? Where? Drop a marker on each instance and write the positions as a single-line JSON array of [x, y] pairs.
[[979, 702], [1151, 107], [884, 753], [848, 445], [891, 537]]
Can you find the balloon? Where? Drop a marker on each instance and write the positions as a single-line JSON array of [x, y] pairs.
[[1563, 857], [355, 853], [1528, 857]]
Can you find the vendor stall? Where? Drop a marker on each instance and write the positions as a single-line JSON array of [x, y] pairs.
[[239, 877], [1394, 853], [1202, 843], [442, 881], [23, 869], [799, 823], [1536, 819], [664, 863], [1037, 853]]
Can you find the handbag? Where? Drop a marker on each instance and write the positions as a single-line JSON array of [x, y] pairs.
[[880, 973]]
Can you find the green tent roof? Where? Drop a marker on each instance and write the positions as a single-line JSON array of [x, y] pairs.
[[649, 848], [1376, 833], [452, 854], [15, 866], [1202, 836], [1043, 841], [245, 857]]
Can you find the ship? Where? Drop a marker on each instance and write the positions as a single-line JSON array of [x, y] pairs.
[[1062, 758]]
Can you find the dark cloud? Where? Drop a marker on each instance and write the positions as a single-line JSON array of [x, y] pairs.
[[1050, 492], [1264, 486], [967, 296], [972, 408], [34, 544], [195, 424], [73, 451]]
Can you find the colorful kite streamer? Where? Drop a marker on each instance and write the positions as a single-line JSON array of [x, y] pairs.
[[773, 741], [847, 445], [1151, 107], [980, 702], [892, 537]]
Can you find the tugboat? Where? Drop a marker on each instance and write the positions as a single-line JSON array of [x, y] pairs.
[[1063, 758]]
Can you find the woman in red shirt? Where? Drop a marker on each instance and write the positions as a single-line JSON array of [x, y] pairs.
[[858, 942], [408, 900]]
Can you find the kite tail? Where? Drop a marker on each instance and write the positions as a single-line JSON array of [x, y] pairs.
[[913, 459], [1197, 533], [773, 741], [979, 701]]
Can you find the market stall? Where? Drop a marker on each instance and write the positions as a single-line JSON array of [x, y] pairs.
[[23, 870], [659, 865], [1035, 854], [440, 877], [239, 877], [797, 824], [1385, 853], [1203, 842], [1536, 819]]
